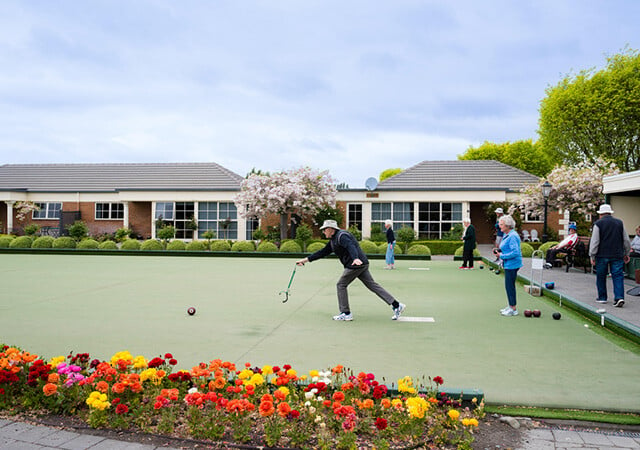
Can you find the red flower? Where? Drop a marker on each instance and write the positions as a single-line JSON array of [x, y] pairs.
[[173, 361], [381, 423], [168, 356], [438, 380], [122, 409]]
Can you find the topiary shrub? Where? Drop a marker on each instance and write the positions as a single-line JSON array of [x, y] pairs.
[[176, 245], [369, 247], [290, 247], [64, 242], [130, 244], [196, 246], [419, 249], [243, 246], [267, 247], [220, 246], [88, 244], [151, 244], [526, 250], [108, 245], [43, 242], [460, 249], [382, 248], [5, 241], [546, 246], [314, 247], [21, 242]]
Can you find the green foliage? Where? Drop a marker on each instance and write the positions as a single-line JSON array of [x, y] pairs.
[[315, 246], [546, 246], [166, 232], [382, 248], [377, 233], [31, 229], [267, 247], [388, 173], [405, 236], [454, 234], [419, 249], [78, 230], [243, 246], [43, 242], [196, 246], [5, 241], [439, 247], [220, 246], [304, 235], [526, 249], [258, 234], [64, 242], [355, 232], [88, 244], [328, 213], [176, 245], [151, 244], [460, 249], [523, 155], [21, 242], [595, 114], [290, 247], [130, 244], [368, 247], [108, 245], [208, 235], [122, 234]]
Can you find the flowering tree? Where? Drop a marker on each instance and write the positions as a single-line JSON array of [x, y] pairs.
[[23, 209], [301, 192], [576, 188]]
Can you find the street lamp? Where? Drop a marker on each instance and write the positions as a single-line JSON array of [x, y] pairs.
[[546, 190]]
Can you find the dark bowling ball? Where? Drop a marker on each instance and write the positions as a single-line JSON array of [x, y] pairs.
[[556, 315], [527, 313], [191, 311], [536, 313]]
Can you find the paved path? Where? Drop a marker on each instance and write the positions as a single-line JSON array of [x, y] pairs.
[[576, 284]]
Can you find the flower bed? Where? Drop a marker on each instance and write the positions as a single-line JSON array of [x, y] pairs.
[[217, 401]]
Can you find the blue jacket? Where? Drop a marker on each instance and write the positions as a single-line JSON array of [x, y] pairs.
[[511, 254]]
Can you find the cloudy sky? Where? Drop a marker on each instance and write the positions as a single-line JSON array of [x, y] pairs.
[[353, 87]]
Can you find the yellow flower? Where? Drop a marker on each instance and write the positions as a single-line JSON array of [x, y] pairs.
[[256, 380], [454, 414], [406, 385], [292, 373], [267, 370], [313, 373], [396, 402], [473, 422], [124, 355], [284, 390], [149, 374], [98, 400], [56, 360], [245, 374], [139, 362], [417, 407]]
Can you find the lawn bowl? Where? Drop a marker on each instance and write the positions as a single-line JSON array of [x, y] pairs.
[[536, 313], [527, 313], [556, 316], [191, 311], [550, 285]]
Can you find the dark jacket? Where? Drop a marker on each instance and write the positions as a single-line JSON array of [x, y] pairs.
[[611, 241], [345, 246], [469, 238], [391, 237]]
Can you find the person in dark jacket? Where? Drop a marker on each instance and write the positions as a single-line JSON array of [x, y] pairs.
[[469, 238], [356, 265], [389, 257], [609, 249]]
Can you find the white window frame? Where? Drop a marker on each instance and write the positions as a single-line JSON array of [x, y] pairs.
[[49, 211], [111, 210]]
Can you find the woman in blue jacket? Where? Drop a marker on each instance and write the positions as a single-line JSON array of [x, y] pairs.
[[511, 256]]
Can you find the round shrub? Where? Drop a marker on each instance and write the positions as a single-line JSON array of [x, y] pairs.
[[21, 242], [220, 246], [130, 244], [64, 242], [243, 246], [196, 246], [369, 247], [89, 244], [151, 244], [108, 245], [43, 242], [267, 247], [290, 247], [5, 241], [315, 246], [526, 249], [382, 248], [460, 249], [546, 246], [419, 249], [176, 245]]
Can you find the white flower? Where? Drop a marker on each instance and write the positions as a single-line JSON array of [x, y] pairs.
[[193, 390]]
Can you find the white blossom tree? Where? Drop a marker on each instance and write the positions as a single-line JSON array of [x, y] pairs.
[[301, 192], [577, 188]]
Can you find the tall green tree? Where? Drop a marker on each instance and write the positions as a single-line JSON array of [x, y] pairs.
[[524, 155], [388, 173], [595, 114]]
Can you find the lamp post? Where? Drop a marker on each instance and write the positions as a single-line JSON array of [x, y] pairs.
[[546, 190]]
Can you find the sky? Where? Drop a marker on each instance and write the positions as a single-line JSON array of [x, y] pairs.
[[351, 87]]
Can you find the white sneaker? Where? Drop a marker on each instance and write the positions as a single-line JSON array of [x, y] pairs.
[[506, 308], [344, 317], [510, 312], [397, 311]]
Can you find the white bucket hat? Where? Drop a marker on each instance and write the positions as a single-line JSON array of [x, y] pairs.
[[499, 211], [330, 224], [605, 209]]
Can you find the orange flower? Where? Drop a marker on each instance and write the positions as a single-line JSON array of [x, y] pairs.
[[284, 409], [366, 404], [49, 389], [219, 383], [266, 408], [279, 395], [102, 386], [267, 398], [386, 403], [347, 386], [338, 396], [136, 387], [337, 369], [53, 378], [118, 388]]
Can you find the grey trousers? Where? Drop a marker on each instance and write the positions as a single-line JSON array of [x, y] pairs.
[[364, 275]]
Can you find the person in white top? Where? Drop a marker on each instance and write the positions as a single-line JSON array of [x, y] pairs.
[[562, 247], [635, 244]]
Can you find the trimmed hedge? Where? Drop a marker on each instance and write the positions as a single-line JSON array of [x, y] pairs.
[[243, 246], [196, 246], [177, 245], [315, 246], [419, 249], [546, 246], [526, 249], [130, 244], [151, 244], [21, 242], [220, 246], [108, 245], [290, 247], [267, 247], [64, 242], [460, 249], [369, 247], [90, 244], [5, 241], [43, 242]]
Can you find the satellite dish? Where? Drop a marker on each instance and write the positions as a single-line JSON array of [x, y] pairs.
[[371, 184]]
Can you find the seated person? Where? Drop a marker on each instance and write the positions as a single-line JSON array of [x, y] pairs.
[[562, 247], [635, 244]]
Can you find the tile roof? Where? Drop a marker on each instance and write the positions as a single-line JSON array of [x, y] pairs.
[[117, 177], [459, 175]]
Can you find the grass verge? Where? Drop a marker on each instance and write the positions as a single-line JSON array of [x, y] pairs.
[[565, 414]]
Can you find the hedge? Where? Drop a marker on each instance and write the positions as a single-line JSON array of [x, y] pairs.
[[64, 242], [151, 244], [220, 246], [196, 246], [21, 242], [267, 247], [177, 245], [130, 244], [91, 244], [243, 246], [43, 242], [290, 247], [108, 245]]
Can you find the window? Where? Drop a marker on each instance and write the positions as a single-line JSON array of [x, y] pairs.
[[435, 218], [48, 211], [109, 211], [220, 217], [400, 213], [164, 211], [252, 225], [532, 217], [185, 214], [354, 215]]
